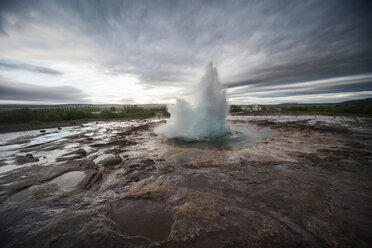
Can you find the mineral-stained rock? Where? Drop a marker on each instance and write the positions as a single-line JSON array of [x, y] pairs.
[[244, 176], [200, 212], [111, 161], [78, 154], [142, 218], [162, 170], [122, 142], [26, 159], [135, 129], [92, 179], [139, 167], [157, 189], [199, 164]]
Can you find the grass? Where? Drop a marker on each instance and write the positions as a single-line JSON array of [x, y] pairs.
[[26, 117]]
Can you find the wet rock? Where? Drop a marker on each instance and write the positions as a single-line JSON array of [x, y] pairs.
[[92, 179], [29, 158], [83, 163], [69, 180], [44, 191], [78, 154], [157, 189], [115, 142], [111, 161], [302, 187], [135, 129], [21, 195], [199, 164], [59, 128], [140, 165], [43, 174], [136, 169], [42, 131], [200, 212], [61, 232], [143, 218], [244, 176], [115, 150], [162, 170], [271, 233]]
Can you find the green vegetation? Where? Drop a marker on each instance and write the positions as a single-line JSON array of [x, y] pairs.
[[235, 108], [357, 107], [36, 116], [27, 116]]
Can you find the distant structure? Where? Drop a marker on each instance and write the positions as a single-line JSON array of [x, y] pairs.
[[251, 108]]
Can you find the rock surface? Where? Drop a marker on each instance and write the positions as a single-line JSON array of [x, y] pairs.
[[292, 181]]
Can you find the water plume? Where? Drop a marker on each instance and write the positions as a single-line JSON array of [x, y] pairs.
[[203, 119]]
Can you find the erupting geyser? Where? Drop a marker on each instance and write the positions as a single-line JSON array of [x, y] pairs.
[[205, 118]]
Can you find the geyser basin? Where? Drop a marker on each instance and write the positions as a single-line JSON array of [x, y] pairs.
[[240, 135], [205, 117], [225, 194]]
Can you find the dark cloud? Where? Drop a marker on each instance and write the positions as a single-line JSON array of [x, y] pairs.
[[26, 67], [10, 90], [340, 85], [2, 31], [289, 91], [307, 70], [126, 100], [256, 43]]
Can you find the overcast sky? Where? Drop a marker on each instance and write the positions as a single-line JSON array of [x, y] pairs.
[[154, 51]]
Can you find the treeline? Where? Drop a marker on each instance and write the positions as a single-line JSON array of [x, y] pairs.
[[235, 108], [68, 113]]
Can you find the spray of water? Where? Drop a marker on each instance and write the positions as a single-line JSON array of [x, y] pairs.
[[205, 118]]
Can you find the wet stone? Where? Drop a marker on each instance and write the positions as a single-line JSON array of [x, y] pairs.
[[78, 154], [152, 220], [21, 195], [29, 158], [111, 161]]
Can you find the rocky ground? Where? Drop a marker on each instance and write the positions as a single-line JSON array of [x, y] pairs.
[[280, 181]]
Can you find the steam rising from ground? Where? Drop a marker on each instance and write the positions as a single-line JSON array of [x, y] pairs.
[[205, 117]]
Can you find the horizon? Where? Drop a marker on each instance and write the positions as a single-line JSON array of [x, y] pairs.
[[121, 52], [164, 104]]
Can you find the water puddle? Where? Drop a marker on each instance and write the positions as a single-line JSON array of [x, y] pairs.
[[241, 134], [69, 180], [149, 219]]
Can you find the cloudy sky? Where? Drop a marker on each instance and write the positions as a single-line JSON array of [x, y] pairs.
[[126, 52]]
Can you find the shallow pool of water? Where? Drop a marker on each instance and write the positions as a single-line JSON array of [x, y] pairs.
[[69, 180], [241, 134]]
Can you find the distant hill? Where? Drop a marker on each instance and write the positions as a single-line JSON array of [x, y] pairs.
[[353, 107], [363, 101], [288, 103]]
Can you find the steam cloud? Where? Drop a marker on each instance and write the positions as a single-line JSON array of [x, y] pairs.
[[204, 119]]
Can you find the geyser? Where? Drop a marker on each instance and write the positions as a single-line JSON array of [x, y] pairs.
[[203, 119]]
